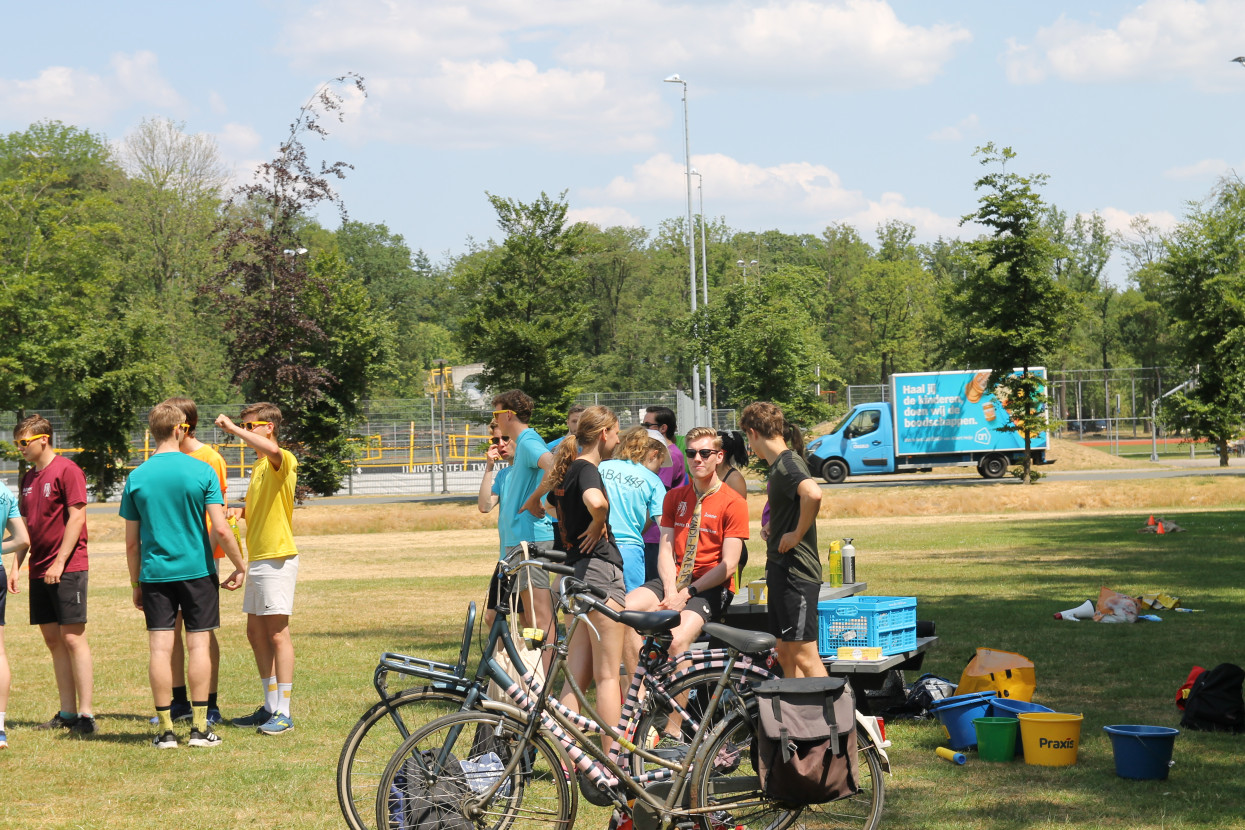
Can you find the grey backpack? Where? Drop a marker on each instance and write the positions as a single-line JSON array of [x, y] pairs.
[[806, 739]]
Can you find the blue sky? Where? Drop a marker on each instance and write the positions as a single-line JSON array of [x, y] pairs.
[[802, 113]]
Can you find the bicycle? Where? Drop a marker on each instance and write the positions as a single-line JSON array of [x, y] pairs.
[[471, 768]]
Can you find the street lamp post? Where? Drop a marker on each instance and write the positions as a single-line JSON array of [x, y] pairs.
[[704, 285], [691, 239], [746, 266]]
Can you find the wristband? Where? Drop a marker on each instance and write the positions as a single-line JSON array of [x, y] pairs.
[[133, 584]]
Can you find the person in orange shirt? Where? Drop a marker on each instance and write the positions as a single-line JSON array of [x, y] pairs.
[[193, 447]]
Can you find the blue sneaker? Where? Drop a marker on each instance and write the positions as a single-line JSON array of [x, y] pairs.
[[277, 725], [259, 717], [4, 742], [214, 717]]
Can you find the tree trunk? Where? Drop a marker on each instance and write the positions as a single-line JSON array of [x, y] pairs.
[[1223, 452]]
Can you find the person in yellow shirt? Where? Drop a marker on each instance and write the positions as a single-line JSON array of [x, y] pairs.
[[196, 449], [273, 563]]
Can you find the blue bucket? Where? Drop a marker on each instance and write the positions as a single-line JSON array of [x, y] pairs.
[[1142, 752], [956, 714], [1009, 707]]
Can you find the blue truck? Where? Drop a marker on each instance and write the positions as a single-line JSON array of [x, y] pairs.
[[933, 419]]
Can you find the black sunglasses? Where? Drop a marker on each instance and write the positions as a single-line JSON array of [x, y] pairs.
[[704, 453], [495, 441], [647, 425]]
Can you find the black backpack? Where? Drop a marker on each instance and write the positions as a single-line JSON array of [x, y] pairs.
[[1215, 702]]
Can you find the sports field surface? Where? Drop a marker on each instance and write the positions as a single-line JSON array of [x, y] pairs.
[[988, 564]]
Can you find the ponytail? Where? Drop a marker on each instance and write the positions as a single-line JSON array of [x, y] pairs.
[[794, 438], [563, 458]]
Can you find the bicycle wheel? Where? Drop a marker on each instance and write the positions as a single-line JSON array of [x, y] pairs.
[[373, 740], [432, 781], [727, 781], [666, 733]]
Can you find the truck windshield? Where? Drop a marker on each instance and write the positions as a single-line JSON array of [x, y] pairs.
[[839, 426]]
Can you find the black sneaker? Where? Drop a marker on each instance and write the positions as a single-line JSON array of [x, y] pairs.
[[208, 738], [166, 741], [58, 721], [83, 726]]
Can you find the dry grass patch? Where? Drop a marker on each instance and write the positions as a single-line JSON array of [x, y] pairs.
[[1046, 497]]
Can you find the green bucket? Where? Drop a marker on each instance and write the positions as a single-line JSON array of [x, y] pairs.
[[996, 738]]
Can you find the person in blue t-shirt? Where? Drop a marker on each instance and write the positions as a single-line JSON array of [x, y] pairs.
[[635, 494], [521, 517], [492, 485], [169, 553]]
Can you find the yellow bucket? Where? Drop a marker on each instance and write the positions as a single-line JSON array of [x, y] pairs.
[[1050, 738]]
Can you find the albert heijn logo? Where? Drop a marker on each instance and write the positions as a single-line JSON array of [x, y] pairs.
[[1047, 743]]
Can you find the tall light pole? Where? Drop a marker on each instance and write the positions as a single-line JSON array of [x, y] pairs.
[[691, 239], [704, 285]]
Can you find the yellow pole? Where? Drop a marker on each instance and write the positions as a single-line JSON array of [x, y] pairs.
[[410, 456]]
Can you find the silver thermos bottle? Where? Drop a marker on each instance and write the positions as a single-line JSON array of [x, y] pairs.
[[849, 562]]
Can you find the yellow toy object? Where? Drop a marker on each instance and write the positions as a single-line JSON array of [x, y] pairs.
[[1009, 674]]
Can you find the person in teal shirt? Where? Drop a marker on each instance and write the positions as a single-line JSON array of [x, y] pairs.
[[165, 505], [635, 494], [521, 517]]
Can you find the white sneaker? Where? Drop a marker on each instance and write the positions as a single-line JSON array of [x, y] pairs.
[[208, 738]]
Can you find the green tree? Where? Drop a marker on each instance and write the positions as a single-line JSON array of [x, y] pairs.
[[527, 304], [1203, 288], [415, 297], [112, 376], [280, 313], [168, 207], [54, 217], [1014, 311], [763, 342]]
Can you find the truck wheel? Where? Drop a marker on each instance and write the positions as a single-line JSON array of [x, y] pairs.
[[992, 466], [834, 471]]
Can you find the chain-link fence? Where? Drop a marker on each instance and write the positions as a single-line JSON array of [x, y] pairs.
[[401, 447]]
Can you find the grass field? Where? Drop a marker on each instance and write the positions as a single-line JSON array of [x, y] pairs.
[[989, 567]]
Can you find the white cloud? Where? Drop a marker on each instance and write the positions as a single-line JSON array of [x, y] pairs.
[[501, 103], [797, 196], [604, 217], [956, 132], [1204, 169], [1120, 221], [1158, 39], [240, 146], [216, 103], [81, 97], [489, 73]]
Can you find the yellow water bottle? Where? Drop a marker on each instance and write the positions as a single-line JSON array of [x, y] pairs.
[[834, 564], [237, 534]]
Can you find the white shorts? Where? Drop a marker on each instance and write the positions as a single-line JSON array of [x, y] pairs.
[[270, 586]]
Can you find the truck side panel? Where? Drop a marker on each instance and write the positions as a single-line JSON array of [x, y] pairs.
[[949, 413]]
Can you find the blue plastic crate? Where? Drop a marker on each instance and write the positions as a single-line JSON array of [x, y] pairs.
[[885, 622]]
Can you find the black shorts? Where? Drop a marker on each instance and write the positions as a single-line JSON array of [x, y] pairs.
[[711, 604], [198, 600], [792, 609], [63, 603], [4, 591]]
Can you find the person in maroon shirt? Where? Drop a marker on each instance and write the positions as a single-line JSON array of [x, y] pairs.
[[52, 498]]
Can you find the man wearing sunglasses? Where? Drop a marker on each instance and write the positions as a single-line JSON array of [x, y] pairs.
[[272, 571], [521, 518], [703, 528], [52, 498]]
